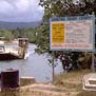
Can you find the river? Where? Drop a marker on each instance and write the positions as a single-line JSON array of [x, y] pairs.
[[34, 65]]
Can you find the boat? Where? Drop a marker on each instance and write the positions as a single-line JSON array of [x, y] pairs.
[[16, 49]]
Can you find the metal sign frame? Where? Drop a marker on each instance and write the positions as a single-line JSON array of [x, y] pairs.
[[76, 19]]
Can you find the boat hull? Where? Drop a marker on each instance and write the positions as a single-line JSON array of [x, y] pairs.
[[8, 56]]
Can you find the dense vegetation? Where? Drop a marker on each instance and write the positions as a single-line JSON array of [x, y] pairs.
[[63, 8], [60, 8], [16, 33]]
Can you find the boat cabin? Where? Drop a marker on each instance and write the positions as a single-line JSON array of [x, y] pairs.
[[23, 42], [2, 49], [23, 45]]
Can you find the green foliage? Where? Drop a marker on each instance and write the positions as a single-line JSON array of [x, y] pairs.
[[12, 34], [7, 34], [31, 34], [60, 8], [67, 7], [42, 40]]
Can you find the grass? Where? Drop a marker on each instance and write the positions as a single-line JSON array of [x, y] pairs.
[[70, 84]]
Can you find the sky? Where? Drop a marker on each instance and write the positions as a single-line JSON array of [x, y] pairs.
[[20, 10]]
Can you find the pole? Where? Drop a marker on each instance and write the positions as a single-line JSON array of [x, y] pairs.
[[53, 67], [93, 63], [53, 72]]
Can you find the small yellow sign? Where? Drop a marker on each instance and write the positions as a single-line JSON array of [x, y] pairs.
[[57, 32]]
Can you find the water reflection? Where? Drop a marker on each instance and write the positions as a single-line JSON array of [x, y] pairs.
[[35, 65]]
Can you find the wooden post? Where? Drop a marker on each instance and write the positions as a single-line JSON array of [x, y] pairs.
[[93, 63], [53, 67]]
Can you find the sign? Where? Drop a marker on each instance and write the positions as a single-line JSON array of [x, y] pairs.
[[58, 32], [72, 33]]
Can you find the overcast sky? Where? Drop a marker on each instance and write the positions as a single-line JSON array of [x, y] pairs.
[[20, 10]]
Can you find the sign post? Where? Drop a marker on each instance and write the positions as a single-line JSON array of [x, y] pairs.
[[73, 34]]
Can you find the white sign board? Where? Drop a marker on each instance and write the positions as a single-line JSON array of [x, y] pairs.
[[72, 33]]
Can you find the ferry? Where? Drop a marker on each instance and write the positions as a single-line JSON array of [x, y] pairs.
[[16, 49]]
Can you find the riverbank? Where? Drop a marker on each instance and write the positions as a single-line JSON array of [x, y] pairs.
[[72, 83], [65, 84]]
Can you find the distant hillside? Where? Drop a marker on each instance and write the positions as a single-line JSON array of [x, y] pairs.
[[15, 25]]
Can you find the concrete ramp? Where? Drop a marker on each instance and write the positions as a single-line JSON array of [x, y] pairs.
[[89, 82]]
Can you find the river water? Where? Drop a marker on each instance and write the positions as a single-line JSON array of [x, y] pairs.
[[34, 65]]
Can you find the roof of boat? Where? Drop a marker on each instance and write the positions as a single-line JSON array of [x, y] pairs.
[[23, 38]]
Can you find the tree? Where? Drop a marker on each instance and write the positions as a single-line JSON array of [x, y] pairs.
[[60, 8], [42, 40], [67, 7], [7, 34]]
